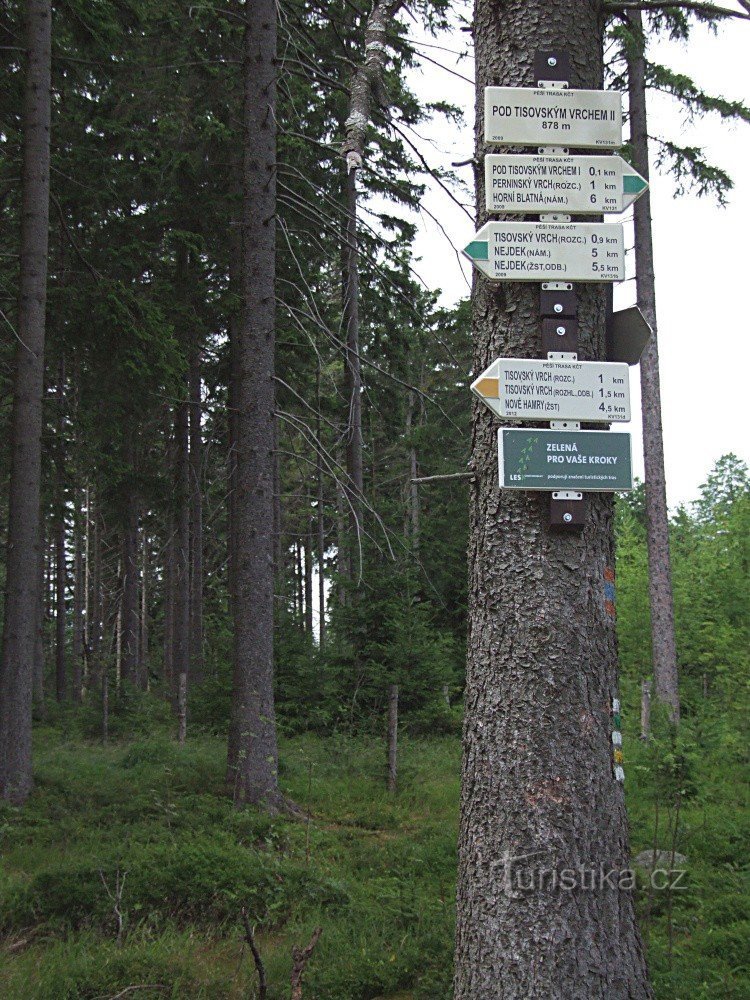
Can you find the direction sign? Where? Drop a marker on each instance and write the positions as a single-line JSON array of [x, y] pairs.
[[526, 389], [523, 116], [549, 251], [594, 461], [586, 185]]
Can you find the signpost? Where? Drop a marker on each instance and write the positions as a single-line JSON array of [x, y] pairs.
[[523, 116], [585, 185], [595, 461], [549, 251], [525, 389]]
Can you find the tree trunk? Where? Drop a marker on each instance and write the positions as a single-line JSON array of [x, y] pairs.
[[539, 800], [413, 487], [320, 522], [129, 617], [645, 709], [143, 671], [309, 576], [354, 481], [392, 737], [22, 577], [79, 587], [61, 569], [253, 766], [181, 577], [38, 682], [299, 576], [196, 516], [169, 575], [663, 646]]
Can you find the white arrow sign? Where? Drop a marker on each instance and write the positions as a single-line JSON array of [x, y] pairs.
[[522, 116], [549, 251], [570, 184], [520, 389]]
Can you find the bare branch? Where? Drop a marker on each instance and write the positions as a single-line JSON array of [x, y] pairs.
[[444, 478], [301, 957], [260, 968], [620, 6]]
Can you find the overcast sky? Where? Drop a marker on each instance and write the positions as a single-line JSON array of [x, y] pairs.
[[702, 259]]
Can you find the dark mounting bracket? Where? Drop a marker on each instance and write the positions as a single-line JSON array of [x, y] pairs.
[[552, 66], [566, 514]]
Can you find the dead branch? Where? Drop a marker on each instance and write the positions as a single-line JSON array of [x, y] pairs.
[[301, 956], [260, 968], [449, 475], [692, 5]]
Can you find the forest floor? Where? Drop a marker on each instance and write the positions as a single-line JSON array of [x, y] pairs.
[[143, 828]]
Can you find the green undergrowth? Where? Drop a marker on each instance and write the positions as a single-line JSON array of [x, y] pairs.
[[144, 827]]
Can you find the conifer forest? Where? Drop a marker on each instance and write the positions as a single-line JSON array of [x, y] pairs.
[[303, 694]]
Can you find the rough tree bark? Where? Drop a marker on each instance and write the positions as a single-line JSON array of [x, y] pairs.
[[23, 538], [253, 762], [539, 802], [663, 647]]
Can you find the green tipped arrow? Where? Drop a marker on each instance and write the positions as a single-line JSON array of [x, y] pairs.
[[478, 250], [633, 183]]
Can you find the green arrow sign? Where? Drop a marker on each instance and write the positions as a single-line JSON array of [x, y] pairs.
[[584, 185], [593, 461]]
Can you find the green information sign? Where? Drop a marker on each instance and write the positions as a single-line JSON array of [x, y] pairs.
[[564, 460]]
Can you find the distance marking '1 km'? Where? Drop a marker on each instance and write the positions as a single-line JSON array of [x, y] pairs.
[[583, 185], [549, 251], [527, 389], [593, 461], [523, 116]]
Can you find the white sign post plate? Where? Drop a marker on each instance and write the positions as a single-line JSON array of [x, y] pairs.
[[583, 185], [523, 116], [549, 251], [521, 389]]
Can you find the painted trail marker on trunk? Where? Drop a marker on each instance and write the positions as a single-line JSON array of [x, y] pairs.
[[524, 116], [527, 389], [595, 461], [549, 251], [585, 185]]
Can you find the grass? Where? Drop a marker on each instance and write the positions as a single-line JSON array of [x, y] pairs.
[[377, 872]]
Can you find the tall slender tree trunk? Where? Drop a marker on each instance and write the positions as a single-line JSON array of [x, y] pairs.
[[354, 483], [309, 549], [38, 681], [539, 800], [367, 81], [196, 515], [61, 568], [181, 557], [143, 645], [663, 646], [320, 515], [129, 617], [392, 738], [79, 588], [299, 577], [253, 768], [22, 562], [169, 591]]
